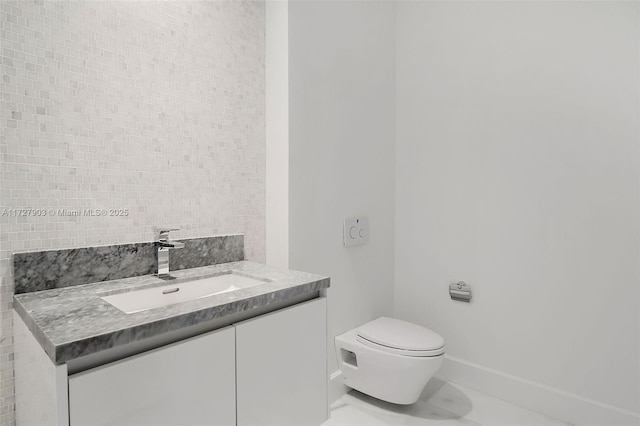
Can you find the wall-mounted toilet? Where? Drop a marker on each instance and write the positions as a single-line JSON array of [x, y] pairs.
[[389, 359]]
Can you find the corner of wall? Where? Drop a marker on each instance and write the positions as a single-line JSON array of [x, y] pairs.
[[277, 133]]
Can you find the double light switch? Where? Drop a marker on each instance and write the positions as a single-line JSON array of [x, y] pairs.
[[356, 231]]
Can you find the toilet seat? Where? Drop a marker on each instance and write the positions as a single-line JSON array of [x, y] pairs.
[[400, 337]]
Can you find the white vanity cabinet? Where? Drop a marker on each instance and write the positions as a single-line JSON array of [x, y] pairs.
[[191, 382], [267, 370], [281, 361]]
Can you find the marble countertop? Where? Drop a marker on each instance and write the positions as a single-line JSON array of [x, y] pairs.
[[74, 321]]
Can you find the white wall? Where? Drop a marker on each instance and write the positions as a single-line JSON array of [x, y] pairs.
[[277, 132], [341, 115], [517, 171]]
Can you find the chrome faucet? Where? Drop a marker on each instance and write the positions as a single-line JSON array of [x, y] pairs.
[[164, 245]]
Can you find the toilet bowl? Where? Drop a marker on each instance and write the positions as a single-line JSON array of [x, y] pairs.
[[389, 359]]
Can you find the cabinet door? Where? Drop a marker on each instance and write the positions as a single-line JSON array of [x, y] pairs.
[[191, 382], [281, 361]]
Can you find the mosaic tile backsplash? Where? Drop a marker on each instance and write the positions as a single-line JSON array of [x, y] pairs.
[[118, 116]]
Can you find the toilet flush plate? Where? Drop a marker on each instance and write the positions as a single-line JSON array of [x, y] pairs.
[[356, 231]]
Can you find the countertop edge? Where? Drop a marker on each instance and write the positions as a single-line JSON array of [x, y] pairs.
[[68, 351], [36, 331]]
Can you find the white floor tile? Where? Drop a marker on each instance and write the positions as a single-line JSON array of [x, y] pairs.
[[441, 403], [359, 409], [345, 414], [481, 408], [425, 413]]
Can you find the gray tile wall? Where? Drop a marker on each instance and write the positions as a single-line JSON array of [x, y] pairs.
[[150, 112]]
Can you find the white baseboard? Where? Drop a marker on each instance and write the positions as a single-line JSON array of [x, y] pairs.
[[544, 399], [336, 388]]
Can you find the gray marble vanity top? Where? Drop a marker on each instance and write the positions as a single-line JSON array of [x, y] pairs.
[[75, 321]]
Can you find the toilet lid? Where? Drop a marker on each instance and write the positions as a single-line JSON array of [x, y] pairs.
[[402, 335]]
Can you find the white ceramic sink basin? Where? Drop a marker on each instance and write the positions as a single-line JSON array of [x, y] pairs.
[[142, 300]]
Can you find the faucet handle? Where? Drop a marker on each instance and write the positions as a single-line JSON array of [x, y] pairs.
[[163, 233]]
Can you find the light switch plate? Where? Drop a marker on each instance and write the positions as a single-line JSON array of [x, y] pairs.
[[356, 231]]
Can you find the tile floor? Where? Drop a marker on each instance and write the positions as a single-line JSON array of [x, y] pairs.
[[441, 403]]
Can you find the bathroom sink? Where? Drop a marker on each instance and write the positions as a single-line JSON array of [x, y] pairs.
[[149, 298]]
